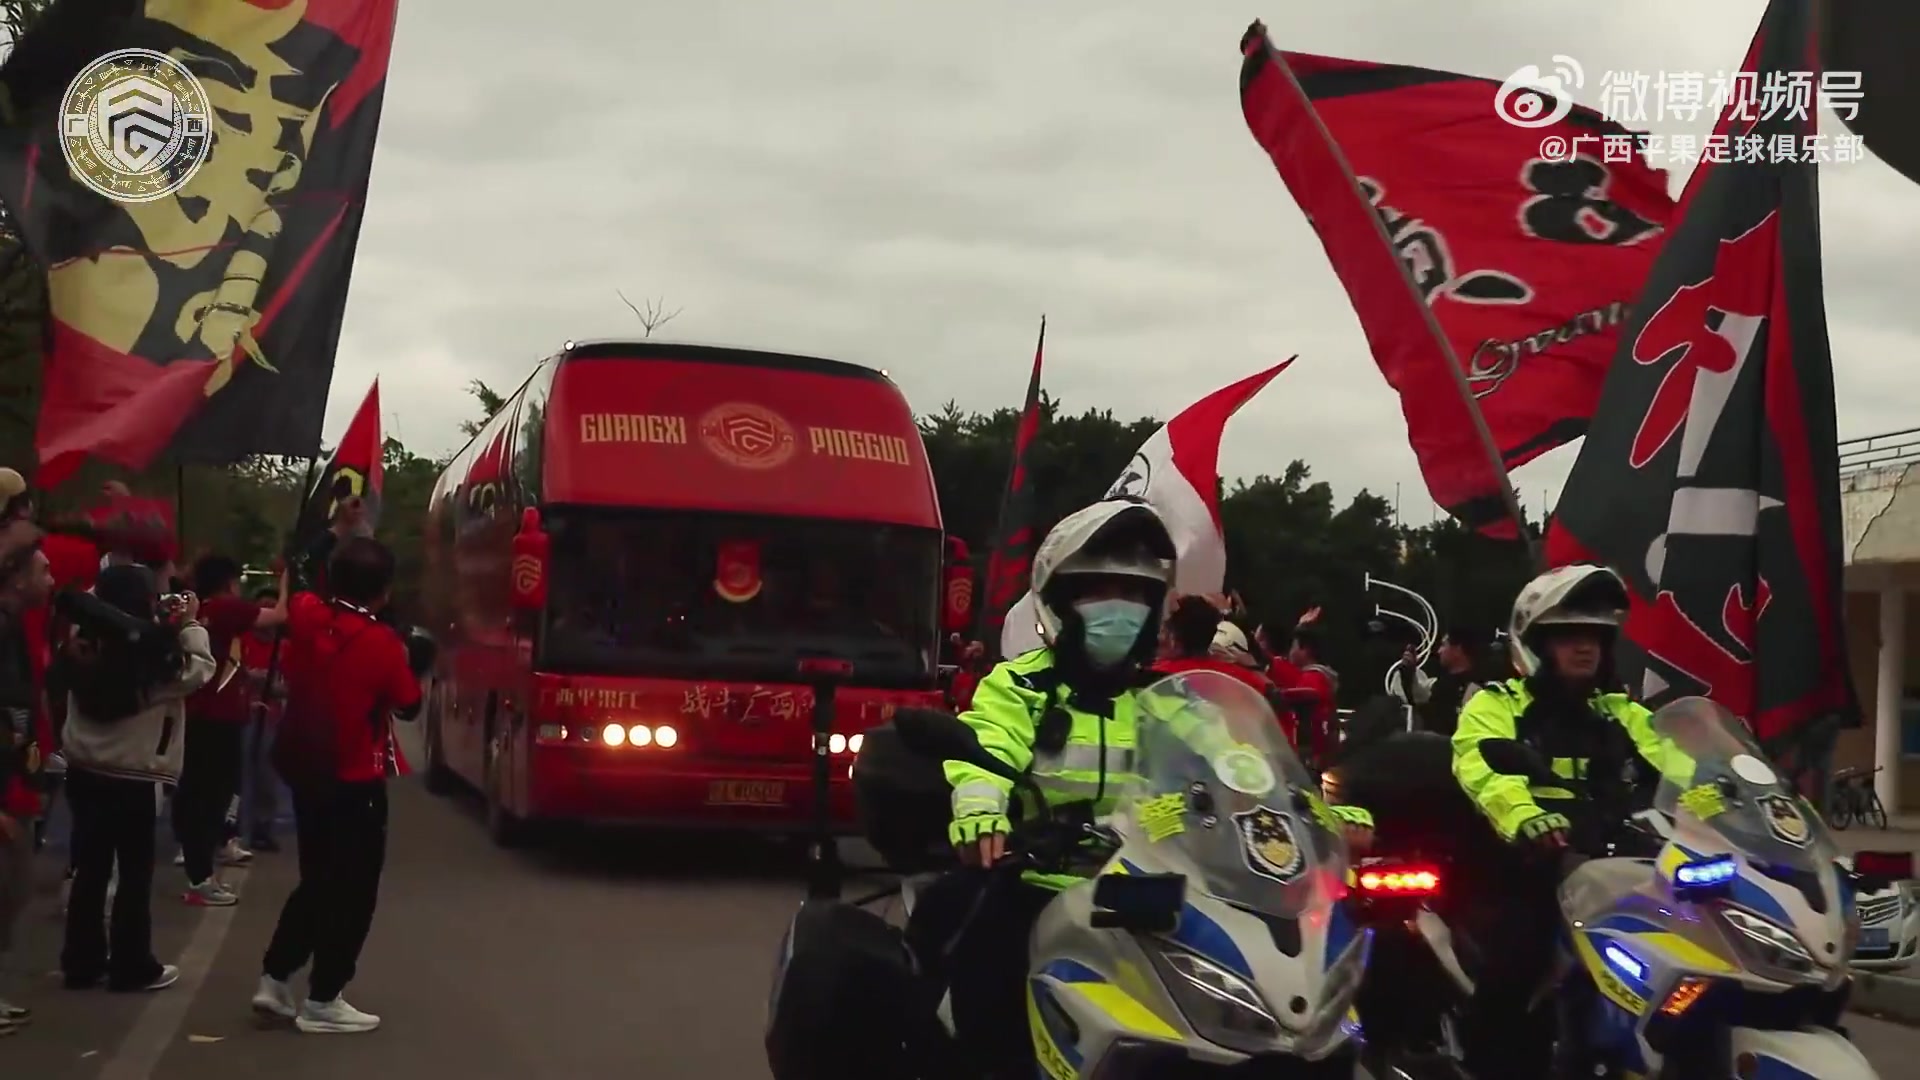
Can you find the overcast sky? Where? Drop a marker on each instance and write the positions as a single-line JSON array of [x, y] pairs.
[[910, 187]]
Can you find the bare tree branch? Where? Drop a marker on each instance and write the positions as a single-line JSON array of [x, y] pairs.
[[653, 316]]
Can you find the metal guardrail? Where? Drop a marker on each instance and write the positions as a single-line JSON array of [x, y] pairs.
[[1879, 451]]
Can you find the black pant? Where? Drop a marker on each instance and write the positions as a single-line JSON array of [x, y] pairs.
[[342, 833], [987, 971], [1507, 909], [113, 821], [208, 781]]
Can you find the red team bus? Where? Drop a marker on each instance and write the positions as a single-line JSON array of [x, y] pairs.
[[629, 564]]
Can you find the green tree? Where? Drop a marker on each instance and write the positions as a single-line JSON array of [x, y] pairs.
[[490, 402]]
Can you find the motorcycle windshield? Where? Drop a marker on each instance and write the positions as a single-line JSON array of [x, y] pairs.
[[1714, 777], [1218, 795]]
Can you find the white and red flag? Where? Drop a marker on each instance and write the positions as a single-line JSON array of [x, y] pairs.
[[1177, 473]]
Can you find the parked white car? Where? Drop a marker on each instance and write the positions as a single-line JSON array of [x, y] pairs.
[[1889, 926]]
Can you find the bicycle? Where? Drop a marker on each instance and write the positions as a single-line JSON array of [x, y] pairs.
[[1854, 799]]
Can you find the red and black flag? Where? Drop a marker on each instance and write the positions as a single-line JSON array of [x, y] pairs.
[[1708, 478], [1011, 561], [1486, 270], [351, 479], [192, 175]]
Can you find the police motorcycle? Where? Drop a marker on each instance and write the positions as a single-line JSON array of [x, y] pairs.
[[1727, 954], [1214, 940]]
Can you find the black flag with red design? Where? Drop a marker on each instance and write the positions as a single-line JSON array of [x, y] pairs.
[[1709, 476], [221, 302], [1011, 561]]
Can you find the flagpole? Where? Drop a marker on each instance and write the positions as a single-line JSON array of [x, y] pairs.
[[1485, 434], [983, 614]]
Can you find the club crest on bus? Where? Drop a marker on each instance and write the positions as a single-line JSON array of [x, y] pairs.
[[747, 436]]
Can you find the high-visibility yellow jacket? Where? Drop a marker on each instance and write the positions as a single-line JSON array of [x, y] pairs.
[[1094, 765], [1509, 801]]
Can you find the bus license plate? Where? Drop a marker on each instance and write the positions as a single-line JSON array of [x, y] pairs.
[[747, 793]]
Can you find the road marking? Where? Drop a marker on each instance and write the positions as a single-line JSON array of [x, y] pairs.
[[154, 1032]]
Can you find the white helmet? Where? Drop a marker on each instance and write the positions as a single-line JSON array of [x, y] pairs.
[[1118, 537], [1580, 594]]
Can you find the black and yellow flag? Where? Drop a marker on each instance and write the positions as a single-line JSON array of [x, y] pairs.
[[192, 174]]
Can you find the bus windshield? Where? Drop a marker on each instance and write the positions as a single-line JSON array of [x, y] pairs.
[[698, 595]]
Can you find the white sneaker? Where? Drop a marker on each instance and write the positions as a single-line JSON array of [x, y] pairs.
[[275, 998], [234, 855], [334, 1017], [169, 974], [180, 858], [210, 893]]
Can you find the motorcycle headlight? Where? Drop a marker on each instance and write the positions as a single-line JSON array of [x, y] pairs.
[[1221, 1006], [1769, 946]]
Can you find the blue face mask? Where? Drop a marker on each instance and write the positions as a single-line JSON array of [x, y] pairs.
[[1112, 628]]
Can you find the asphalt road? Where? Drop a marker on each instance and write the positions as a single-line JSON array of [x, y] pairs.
[[609, 956]]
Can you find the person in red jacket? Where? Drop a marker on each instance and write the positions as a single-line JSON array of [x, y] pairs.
[[1193, 628], [1312, 688], [348, 675]]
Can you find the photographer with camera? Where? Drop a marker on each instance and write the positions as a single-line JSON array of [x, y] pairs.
[[131, 661]]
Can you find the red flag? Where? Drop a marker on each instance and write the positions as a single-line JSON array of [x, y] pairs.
[[204, 280], [354, 469], [1177, 472], [1012, 556], [1707, 479], [1491, 281]]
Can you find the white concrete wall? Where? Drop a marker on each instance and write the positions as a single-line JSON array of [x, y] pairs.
[[1880, 516]]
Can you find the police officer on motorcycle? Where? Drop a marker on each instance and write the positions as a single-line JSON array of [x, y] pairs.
[[1566, 708], [1064, 713]]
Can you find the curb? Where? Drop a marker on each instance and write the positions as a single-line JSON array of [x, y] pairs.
[[1890, 996]]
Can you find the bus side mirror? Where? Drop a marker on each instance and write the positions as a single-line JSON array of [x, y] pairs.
[[531, 550]]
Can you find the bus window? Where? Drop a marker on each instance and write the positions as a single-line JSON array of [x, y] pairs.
[[694, 595]]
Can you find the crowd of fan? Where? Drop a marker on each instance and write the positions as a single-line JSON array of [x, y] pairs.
[[129, 689]]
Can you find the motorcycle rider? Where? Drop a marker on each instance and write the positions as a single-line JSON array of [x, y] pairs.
[[1064, 713], [1601, 746]]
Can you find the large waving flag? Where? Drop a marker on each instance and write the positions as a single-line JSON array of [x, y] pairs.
[[1490, 280], [198, 223], [1177, 472], [1707, 479]]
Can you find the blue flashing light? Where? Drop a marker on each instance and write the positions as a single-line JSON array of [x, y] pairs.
[[1706, 873], [1623, 962]]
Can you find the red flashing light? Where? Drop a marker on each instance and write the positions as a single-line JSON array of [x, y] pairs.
[[1893, 865], [1400, 881], [820, 665]]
